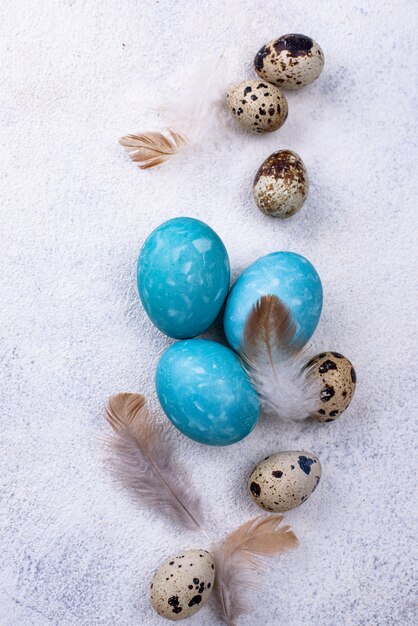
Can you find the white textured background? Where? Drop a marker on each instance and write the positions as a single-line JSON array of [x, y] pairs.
[[74, 76]]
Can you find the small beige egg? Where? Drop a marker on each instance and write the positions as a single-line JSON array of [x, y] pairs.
[[338, 383], [183, 584], [257, 106], [291, 61], [284, 480], [281, 184]]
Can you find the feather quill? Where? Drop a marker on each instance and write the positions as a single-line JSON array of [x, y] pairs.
[[142, 462], [239, 555], [199, 113], [277, 364]]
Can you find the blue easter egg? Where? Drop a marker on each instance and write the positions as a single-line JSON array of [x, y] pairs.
[[183, 277], [287, 275], [205, 392]]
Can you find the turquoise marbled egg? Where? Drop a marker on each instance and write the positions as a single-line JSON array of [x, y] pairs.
[[205, 392], [183, 277], [287, 275]]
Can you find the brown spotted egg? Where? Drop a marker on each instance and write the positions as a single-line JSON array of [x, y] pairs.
[[284, 480], [338, 383], [183, 584], [281, 184], [291, 61], [257, 106]]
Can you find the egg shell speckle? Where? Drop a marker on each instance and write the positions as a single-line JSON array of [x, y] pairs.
[[291, 61], [257, 106], [284, 480], [183, 584], [281, 184], [338, 383]]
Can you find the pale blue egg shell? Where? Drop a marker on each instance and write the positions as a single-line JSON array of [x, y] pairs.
[[287, 275], [183, 277], [205, 392]]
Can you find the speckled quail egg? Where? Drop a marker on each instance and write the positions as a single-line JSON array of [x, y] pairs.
[[284, 480], [281, 184], [183, 584], [257, 106], [338, 383], [291, 61]]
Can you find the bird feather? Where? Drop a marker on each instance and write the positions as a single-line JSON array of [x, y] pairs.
[[153, 148], [199, 112], [276, 362], [242, 553], [142, 462]]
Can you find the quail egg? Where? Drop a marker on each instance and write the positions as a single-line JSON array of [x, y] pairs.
[[257, 106], [291, 61], [338, 383], [183, 584], [284, 480], [281, 184]]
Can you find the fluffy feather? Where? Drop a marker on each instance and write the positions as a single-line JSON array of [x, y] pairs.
[[141, 461], [277, 364], [239, 555], [199, 113], [153, 148]]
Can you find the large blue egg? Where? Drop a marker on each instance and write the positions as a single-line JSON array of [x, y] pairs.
[[205, 392], [287, 275], [183, 277]]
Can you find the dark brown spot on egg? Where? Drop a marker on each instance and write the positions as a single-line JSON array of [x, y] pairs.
[[326, 366], [260, 56], [283, 165], [255, 489], [173, 601], [294, 44], [327, 393], [353, 375]]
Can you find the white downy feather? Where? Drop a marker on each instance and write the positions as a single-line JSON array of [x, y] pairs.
[[199, 115], [277, 367]]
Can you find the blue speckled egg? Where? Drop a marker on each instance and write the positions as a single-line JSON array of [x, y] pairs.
[[183, 277], [287, 275], [206, 393]]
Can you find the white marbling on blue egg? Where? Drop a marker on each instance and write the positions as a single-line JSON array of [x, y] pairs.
[[287, 275], [205, 392], [183, 277]]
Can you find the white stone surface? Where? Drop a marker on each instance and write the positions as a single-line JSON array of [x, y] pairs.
[[74, 76]]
